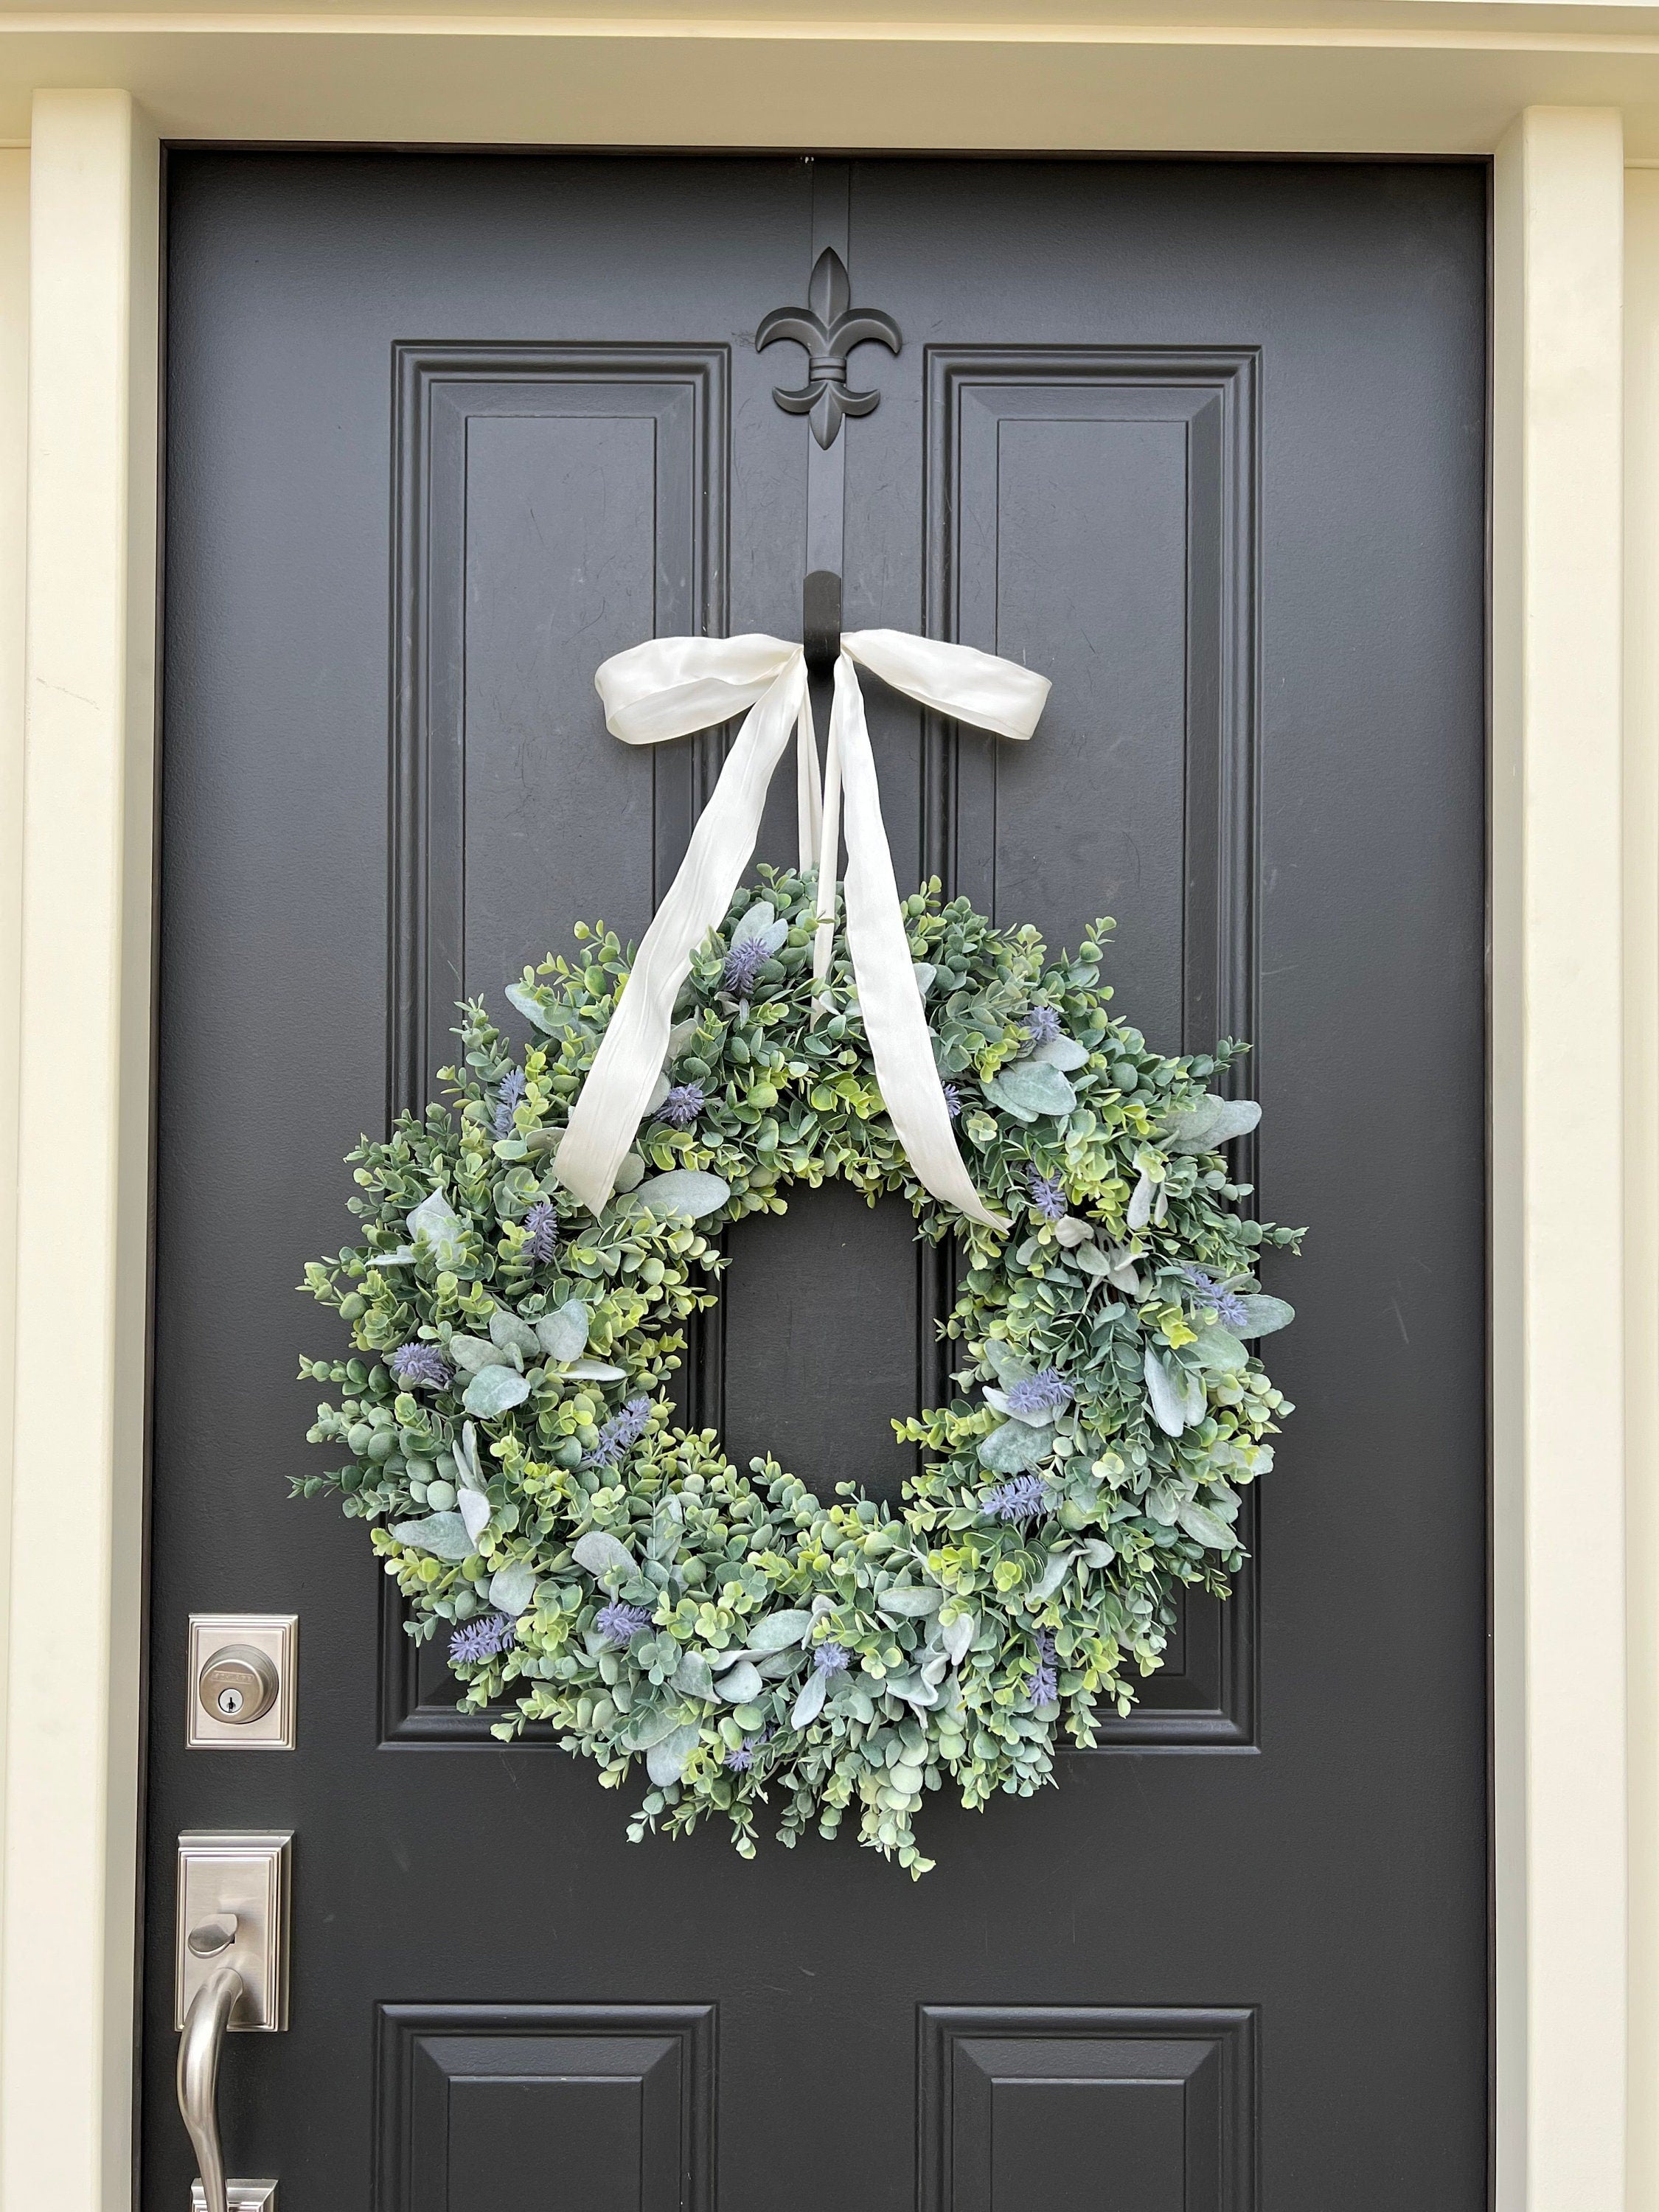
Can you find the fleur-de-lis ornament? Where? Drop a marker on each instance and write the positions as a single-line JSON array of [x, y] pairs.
[[828, 330]]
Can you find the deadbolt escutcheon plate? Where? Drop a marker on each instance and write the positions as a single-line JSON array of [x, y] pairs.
[[241, 1675]]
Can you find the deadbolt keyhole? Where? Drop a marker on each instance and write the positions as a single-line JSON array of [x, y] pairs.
[[239, 1685]]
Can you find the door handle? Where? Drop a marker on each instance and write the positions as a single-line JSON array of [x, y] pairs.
[[198, 2076], [230, 1977]]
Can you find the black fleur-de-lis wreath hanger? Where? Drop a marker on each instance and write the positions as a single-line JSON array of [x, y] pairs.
[[829, 328]]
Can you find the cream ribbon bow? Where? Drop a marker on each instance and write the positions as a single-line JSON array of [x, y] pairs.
[[669, 688]]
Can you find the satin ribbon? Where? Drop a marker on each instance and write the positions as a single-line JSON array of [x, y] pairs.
[[673, 686]]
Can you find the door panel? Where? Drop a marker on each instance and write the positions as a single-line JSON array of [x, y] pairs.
[[1205, 444]]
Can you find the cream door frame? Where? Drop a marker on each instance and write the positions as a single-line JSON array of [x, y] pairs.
[[1565, 97]]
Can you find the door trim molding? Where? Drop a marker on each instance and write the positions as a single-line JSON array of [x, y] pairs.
[[1570, 932]]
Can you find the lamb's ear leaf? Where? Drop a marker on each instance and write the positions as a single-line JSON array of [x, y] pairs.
[[1141, 1201], [1008, 1365], [1218, 1351], [1091, 1258], [1205, 1528], [472, 1353], [1061, 1052], [755, 922], [600, 1553], [1263, 1315], [630, 1170], [562, 1334], [1168, 1403], [474, 1509], [595, 1371], [693, 1676], [660, 1091], [506, 1329], [1071, 1233], [1014, 1447], [779, 1629], [444, 1535], [512, 1588], [957, 1636], [809, 1703], [1211, 1124], [910, 1604], [494, 1391], [436, 1219], [1028, 1088], [665, 1761], [552, 1021], [1052, 1575], [739, 1684], [682, 1190]]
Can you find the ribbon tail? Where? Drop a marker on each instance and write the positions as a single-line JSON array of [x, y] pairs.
[[894, 1020], [612, 1103]]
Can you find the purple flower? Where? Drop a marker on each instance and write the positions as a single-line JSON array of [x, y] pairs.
[[1045, 1391], [1019, 1499], [683, 1105], [486, 1637], [740, 1760], [742, 965], [830, 1658], [617, 1622], [1231, 1309], [1047, 1194], [414, 1364], [508, 1096], [952, 1100], [621, 1433], [1045, 1681], [542, 1227], [1043, 1025]]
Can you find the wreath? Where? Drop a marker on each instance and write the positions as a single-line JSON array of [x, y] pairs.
[[599, 1569]]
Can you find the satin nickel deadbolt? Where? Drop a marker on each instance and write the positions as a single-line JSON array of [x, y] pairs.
[[243, 1681], [230, 1975]]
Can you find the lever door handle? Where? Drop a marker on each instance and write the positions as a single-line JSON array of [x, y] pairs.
[[198, 2076]]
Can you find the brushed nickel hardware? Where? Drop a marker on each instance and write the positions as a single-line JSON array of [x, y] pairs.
[[230, 1974], [242, 1675]]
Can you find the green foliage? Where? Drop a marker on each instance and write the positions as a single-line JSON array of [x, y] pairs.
[[1106, 1414]]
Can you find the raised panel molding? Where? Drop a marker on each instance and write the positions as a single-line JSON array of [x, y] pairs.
[[445, 399], [479, 2107], [1196, 410], [1123, 2108]]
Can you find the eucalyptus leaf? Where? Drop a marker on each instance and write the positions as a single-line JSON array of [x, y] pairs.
[[562, 1334], [809, 1703], [494, 1391], [682, 1190], [444, 1535], [512, 1588], [1031, 1088], [779, 1629], [1014, 1447], [629, 1171], [741, 1683], [910, 1604], [471, 1353], [665, 1761], [602, 1554], [475, 1509], [1204, 1528], [1263, 1315], [1169, 1402]]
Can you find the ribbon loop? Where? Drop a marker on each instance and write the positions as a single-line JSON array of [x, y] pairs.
[[670, 687]]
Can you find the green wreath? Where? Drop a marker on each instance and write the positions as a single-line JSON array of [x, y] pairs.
[[613, 1575]]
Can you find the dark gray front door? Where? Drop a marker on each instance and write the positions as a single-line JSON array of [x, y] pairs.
[[1205, 444]]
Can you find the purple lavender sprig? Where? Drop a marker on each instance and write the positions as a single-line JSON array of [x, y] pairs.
[[542, 1232], [830, 1657], [621, 1433], [740, 969], [952, 1100], [683, 1105], [509, 1093], [1045, 1679], [1043, 1025], [1046, 1391], [1047, 1194], [486, 1637], [617, 1622], [417, 1365], [1020, 1499], [1231, 1309]]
